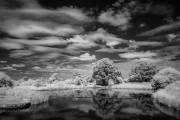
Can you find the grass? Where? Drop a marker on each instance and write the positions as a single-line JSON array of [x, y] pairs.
[[9, 102], [169, 96], [50, 87], [24, 93], [143, 86]]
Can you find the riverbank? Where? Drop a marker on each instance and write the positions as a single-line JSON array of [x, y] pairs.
[[21, 96], [14, 98], [50, 87], [169, 96]]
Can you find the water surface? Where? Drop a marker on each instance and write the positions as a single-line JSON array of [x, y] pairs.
[[95, 105]]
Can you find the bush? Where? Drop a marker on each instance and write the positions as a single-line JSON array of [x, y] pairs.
[[89, 79], [78, 81], [104, 70], [76, 74], [54, 78], [69, 81], [143, 72], [164, 77], [31, 82], [5, 80]]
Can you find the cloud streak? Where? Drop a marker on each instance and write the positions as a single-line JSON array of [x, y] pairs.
[[133, 55]]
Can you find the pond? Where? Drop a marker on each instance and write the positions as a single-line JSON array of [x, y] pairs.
[[95, 105]]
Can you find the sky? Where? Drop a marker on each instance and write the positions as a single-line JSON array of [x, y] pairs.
[[43, 36]]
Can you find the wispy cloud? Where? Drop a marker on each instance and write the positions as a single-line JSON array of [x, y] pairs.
[[162, 29], [152, 60], [112, 50], [25, 29], [18, 65], [3, 61], [8, 68], [133, 55], [121, 19]]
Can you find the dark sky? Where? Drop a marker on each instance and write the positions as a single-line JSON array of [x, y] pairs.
[[46, 35]]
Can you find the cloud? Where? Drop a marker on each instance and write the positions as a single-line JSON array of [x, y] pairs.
[[137, 7], [133, 55], [121, 19], [159, 9], [103, 35], [112, 43], [85, 57], [18, 65], [111, 50], [36, 67], [142, 25], [3, 61], [162, 29], [59, 16], [47, 41], [24, 29], [10, 45], [168, 53], [49, 67], [152, 60], [146, 43], [8, 68], [21, 53], [78, 39]]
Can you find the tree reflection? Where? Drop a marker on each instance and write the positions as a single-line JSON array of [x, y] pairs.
[[144, 103], [106, 104]]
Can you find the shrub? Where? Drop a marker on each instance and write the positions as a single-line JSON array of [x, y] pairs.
[[164, 77], [76, 74], [78, 81], [69, 81], [143, 72], [54, 78], [5, 80], [103, 71], [89, 79], [31, 82]]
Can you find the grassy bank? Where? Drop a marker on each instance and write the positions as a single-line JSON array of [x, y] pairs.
[[169, 96], [19, 98], [141, 86], [50, 87], [11, 102]]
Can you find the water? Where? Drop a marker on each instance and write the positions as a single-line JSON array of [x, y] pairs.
[[95, 105]]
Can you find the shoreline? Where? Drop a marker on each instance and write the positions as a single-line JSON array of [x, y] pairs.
[[169, 96], [51, 87]]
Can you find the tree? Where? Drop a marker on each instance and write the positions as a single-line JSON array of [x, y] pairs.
[[164, 77], [104, 71], [143, 72], [5, 80]]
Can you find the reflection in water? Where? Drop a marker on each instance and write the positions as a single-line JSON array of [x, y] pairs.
[[106, 104], [94, 105], [31, 109], [36, 108], [167, 110], [144, 103]]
